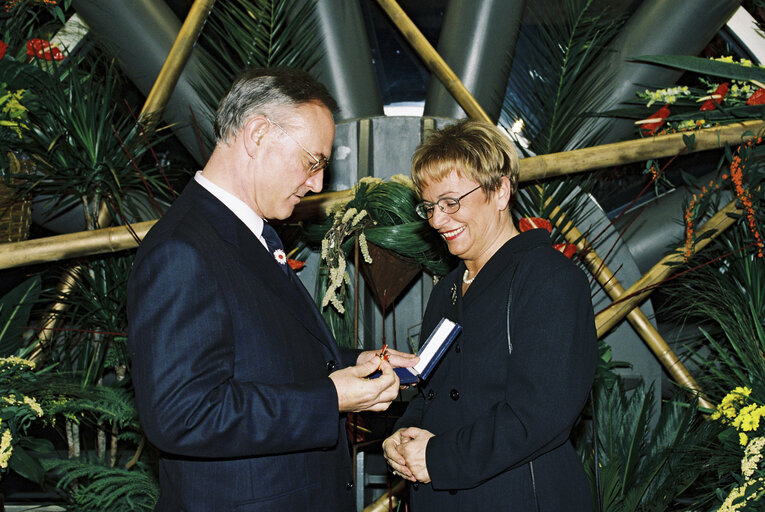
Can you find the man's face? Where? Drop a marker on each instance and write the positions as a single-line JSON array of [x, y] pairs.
[[281, 177]]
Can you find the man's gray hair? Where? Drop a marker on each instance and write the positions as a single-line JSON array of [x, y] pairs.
[[261, 90]]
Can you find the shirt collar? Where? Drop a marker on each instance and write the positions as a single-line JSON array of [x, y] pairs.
[[251, 219]]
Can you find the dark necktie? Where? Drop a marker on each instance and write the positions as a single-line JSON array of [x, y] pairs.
[[274, 243]]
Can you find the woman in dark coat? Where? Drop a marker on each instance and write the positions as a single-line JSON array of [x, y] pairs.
[[490, 429]]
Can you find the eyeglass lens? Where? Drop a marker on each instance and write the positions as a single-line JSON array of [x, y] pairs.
[[445, 204]]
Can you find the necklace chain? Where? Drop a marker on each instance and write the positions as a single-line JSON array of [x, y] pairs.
[[465, 277]]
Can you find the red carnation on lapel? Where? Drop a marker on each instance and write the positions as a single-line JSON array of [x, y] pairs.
[[295, 264]]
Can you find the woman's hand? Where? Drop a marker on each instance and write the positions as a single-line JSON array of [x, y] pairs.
[[412, 448], [395, 459]]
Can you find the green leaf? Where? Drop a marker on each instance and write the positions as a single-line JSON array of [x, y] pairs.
[[729, 70], [23, 464], [15, 307], [37, 445]]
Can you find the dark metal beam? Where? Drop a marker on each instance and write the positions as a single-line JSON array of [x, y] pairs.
[[477, 41]]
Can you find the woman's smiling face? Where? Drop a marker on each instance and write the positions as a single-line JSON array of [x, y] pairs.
[[471, 233]]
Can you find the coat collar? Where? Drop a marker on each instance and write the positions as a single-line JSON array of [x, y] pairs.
[[262, 265]]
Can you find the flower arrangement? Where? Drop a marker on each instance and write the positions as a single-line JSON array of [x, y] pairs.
[[381, 212], [739, 411], [721, 101], [18, 412]]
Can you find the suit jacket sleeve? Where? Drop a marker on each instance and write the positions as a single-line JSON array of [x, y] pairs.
[[551, 373], [190, 402]]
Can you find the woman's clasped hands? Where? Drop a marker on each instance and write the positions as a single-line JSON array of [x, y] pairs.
[[405, 452]]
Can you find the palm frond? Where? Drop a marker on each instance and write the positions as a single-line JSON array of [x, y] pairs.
[[243, 34], [640, 469], [91, 486], [15, 308], [551, 89], [551, 82], [87, 153]]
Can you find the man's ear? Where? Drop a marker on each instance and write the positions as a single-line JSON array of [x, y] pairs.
[[503, 193], [253, 131]]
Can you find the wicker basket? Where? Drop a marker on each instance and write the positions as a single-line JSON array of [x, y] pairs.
[[15, 211]]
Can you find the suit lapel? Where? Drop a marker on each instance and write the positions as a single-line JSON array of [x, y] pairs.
[[295, 298]]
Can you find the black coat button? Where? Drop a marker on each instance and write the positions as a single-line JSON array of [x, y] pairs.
[[452, 492], [431, 394], [457, 348], [454, 394], [349, 485], [331, 366], [415, 486]]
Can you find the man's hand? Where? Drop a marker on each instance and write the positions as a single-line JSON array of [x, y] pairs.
[[356, 393], [395, 459], [413, 452], [395, 358]]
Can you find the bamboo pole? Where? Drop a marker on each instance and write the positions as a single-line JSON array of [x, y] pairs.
[[73, 245], [607, 319], [388, 500], [175, 63], [620, 153], [55, 248], [433, 60], [155, 103], [636, 317]]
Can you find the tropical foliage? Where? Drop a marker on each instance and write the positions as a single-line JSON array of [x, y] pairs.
[[380, 212]]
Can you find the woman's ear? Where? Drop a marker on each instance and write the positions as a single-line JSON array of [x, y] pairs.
[[503, 193], [253, 131]]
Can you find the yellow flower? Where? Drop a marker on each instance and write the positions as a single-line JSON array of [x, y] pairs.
[[364, 248], [742, 438], [752, 456], [32, 403], [747, 418], [17, 361], [403, 179], [6, 450]]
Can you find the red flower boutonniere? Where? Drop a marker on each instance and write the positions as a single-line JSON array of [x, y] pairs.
[[3, 48], [717, 96], [527, 223], [280, 257], [295, 264], [42, 49]]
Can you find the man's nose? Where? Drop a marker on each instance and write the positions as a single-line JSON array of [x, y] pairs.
[[315, 182]]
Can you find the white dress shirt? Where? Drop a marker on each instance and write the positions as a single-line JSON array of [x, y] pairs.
[[236, 205]]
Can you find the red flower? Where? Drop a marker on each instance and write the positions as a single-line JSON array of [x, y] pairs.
[[42, 49], [295, 264], [567, 249], [657, 120], [3, 47], [717, 96], [527, 223], [757, 97]]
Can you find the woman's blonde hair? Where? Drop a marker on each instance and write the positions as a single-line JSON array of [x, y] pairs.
[[476, 150]]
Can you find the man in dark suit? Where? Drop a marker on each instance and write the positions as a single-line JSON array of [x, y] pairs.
[[238, 381]]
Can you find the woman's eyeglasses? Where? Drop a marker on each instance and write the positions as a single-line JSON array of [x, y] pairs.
[[445, 204]]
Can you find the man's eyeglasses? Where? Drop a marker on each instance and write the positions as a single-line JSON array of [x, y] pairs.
[[319, 163], [445, 204]]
